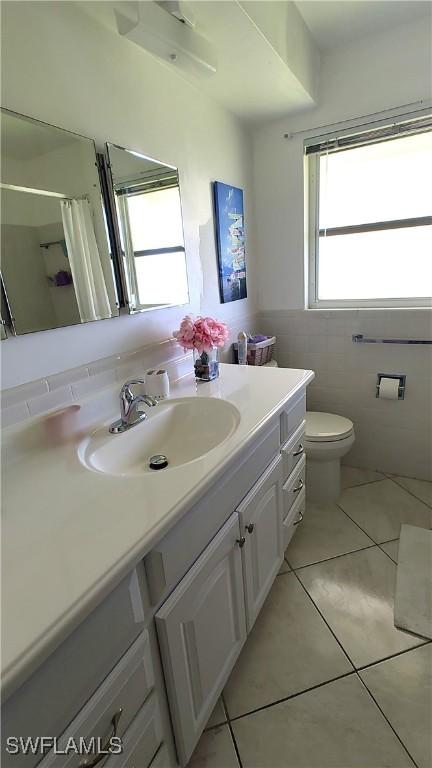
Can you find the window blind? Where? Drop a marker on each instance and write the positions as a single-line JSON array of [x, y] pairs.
[[334, 143]]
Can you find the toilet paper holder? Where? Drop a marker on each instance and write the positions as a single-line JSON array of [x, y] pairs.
[[401, 377]]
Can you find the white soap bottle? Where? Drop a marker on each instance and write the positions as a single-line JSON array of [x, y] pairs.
[[242, 348]]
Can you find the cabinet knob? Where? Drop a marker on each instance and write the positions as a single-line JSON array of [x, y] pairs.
[[299, 487], [250, 527], [299, 450], [89, 763], [241, 541]]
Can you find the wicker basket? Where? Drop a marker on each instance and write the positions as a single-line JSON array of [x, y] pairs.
[[258, 354]]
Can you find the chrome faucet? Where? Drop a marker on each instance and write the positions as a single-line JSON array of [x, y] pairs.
[[129, 413]]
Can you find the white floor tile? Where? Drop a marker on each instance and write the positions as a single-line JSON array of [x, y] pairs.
[[218, 716], [289, 650], [325, 532], [284, 568], [403, 688], [392, 548], [355, 476], [335, 726], [380, 509], [420, 488], [215, 749], [355, 594]]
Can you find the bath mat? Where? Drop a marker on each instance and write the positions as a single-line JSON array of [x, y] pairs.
[[413, 601]]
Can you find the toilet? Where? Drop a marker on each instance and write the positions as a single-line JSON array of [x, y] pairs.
[[328, 438]]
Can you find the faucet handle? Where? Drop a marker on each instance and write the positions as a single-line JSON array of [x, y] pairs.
[[126, 391]]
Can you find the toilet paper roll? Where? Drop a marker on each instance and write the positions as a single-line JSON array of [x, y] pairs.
[[157, 383], [389, 389]]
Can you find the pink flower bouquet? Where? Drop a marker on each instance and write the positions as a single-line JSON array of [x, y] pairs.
[[205, 336]]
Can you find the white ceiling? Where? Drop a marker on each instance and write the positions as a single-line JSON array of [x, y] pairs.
[[252, 79], [258, 76], [333, 24]]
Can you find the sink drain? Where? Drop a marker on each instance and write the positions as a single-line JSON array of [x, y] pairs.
[[159, 461]]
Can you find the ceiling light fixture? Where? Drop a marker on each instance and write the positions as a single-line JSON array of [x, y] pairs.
[[158, 31]]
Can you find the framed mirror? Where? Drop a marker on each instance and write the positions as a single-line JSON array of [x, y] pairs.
[[147, 207], [56, 266]]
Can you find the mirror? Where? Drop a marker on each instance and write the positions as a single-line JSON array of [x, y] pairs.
[[150, 229], [56, 266]]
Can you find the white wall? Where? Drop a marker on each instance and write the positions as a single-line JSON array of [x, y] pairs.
[[377, 73], [104, 87]]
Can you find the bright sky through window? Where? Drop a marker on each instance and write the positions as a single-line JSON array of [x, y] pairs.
[[377, 183]]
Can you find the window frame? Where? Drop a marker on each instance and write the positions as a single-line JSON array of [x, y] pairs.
[[313, 235], [129, 256]]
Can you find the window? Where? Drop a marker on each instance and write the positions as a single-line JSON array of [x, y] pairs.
[[370, 235], [153, 247]]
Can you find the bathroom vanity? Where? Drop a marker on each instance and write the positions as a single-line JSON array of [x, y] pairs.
[[129, 594]]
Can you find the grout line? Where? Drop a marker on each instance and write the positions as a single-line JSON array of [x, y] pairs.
[[356, 672], [292, 696], [364, 482], [236, 749], [324, 619], [334, 557], [355, 523], [399, 485], [233, 738], [386, 553], [386, 719], [393, 655]]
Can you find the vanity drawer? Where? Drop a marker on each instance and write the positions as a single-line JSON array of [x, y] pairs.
[[172, 557], [53, 695], [293, 450], [292, 417], [294, 518], [142, 739], [293, 486], [114, 705]]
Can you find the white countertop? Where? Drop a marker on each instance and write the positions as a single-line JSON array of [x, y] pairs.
[[70, 534]]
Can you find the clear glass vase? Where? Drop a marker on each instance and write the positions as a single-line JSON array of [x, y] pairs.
[[206, 364]]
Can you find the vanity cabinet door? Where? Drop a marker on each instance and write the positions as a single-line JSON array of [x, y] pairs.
[[261, 525], [201, 629]]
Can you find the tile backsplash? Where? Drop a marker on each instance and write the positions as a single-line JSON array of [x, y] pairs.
[[391, 436], [44, 395]]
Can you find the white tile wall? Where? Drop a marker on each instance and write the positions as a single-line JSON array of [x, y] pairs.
[[391, 436], [42, 396]]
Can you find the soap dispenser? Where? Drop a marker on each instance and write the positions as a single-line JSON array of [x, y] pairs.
[[242, 348]]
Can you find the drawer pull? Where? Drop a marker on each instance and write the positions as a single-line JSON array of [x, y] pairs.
[[299, 451], [241, 541], [299, 519], [89, 763], [299, 487], [250, 527]]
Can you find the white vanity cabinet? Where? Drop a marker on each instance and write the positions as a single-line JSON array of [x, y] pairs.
[[201, 630], [261, 525], [203, 623], [152, 658]]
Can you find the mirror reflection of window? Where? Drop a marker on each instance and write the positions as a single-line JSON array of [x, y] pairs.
[[151, 229]]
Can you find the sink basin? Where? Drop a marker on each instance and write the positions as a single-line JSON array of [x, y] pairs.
[[183, 430]]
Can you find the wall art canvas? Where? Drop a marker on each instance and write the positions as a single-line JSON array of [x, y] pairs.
[[230, 241]]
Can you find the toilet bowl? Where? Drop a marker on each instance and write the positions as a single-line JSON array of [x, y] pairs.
[[328, 438]]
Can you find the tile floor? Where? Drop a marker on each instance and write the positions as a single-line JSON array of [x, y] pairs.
[[325, 680]]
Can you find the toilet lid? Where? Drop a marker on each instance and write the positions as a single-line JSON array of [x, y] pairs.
[[326, 427]]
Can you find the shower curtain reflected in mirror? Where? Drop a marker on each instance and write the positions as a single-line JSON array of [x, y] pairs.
[[84, 259]]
